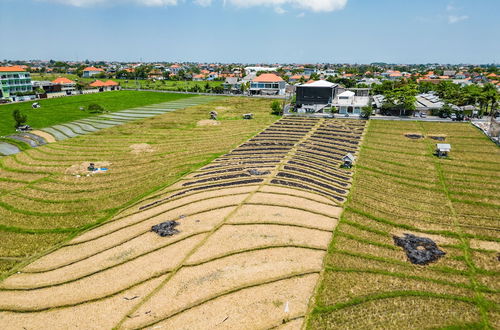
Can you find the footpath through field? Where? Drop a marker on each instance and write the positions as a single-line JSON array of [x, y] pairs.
[[254, 226], [93, 124]]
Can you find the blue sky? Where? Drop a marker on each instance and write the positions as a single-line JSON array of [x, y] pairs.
[[253, 31]]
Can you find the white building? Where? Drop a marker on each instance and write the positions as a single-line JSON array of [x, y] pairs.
[[255, 69], [268, 84], [91, 71], [349, 104]]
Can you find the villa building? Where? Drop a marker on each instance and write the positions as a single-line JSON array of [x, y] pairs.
[[91, 71], [314, 96], [268, 84], [348, 103], [13, 80]]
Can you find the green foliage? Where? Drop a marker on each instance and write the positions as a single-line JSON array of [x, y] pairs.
[[276, 108], [366, 111], [65, 109], [401, 99], [19, 118], [95, 108]]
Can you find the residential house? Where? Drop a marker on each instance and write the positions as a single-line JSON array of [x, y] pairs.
[[155, 74], [315, 96], [66, 85], [296, 78], [175, 68], [198, 77], [348, 103], [91, 71], [232, 85], [268, 84]]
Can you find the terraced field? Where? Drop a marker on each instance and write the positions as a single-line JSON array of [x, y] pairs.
[[47, 198], [400, 187], [254, 227], [93, 124]]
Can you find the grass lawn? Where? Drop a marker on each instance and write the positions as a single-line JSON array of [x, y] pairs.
[[401, 187], [42, 204], [166, 85], [64, 109]]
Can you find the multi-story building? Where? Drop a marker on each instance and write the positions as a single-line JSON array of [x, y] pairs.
[[13, 80], [268, 84]]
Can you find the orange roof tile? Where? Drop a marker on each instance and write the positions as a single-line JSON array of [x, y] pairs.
[[110, 83], [11, 69], [62, 81], [97, 83], [91, 68], [267, 77]]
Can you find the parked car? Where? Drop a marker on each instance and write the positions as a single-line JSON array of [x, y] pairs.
[[423, 115], [453, 117]]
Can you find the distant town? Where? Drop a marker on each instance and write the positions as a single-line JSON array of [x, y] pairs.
[[418, 90]]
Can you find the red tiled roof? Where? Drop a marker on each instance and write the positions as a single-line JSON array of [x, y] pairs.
[[267, 77], [11, 69], [110, 83], [62, 81], [91, 68], [97, 83]]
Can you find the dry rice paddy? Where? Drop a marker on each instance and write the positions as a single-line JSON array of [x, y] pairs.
[[401, 187], [254, 227]]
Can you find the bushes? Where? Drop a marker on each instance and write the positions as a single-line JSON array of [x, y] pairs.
[[95, 108], [19, 118], [276, 108]]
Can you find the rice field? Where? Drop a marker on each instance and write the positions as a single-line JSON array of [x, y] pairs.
[[272, 231], [254, 226], [401, 187], [47, 198]]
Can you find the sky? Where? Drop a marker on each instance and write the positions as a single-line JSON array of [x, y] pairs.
[[253, 31]]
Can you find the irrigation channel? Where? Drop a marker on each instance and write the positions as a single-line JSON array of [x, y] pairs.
[[253, 229]]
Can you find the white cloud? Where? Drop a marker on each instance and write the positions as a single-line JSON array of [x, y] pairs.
[[313, 5], [88, 3], [203, 3], [279, 10], [280, 6], [452, 19], [301, 15]]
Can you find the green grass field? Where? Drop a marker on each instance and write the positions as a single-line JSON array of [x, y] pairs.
[[165, 85], [42, 204], [65, 109], [400, 187]]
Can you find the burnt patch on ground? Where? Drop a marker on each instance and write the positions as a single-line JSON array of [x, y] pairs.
[[166, 228], [414, 136], [419, 250], [437, 137]]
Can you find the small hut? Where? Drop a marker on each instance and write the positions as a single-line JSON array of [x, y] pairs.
[[442, 149], [348, 160]]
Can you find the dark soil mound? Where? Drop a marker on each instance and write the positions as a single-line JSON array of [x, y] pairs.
[[420, 250], [414, 136], [437, 138], [166, 228], [257, 172]]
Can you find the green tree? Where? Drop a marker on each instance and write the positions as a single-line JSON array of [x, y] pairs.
[[366, 111], [276, 108], [95, 108], [19, 118]]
